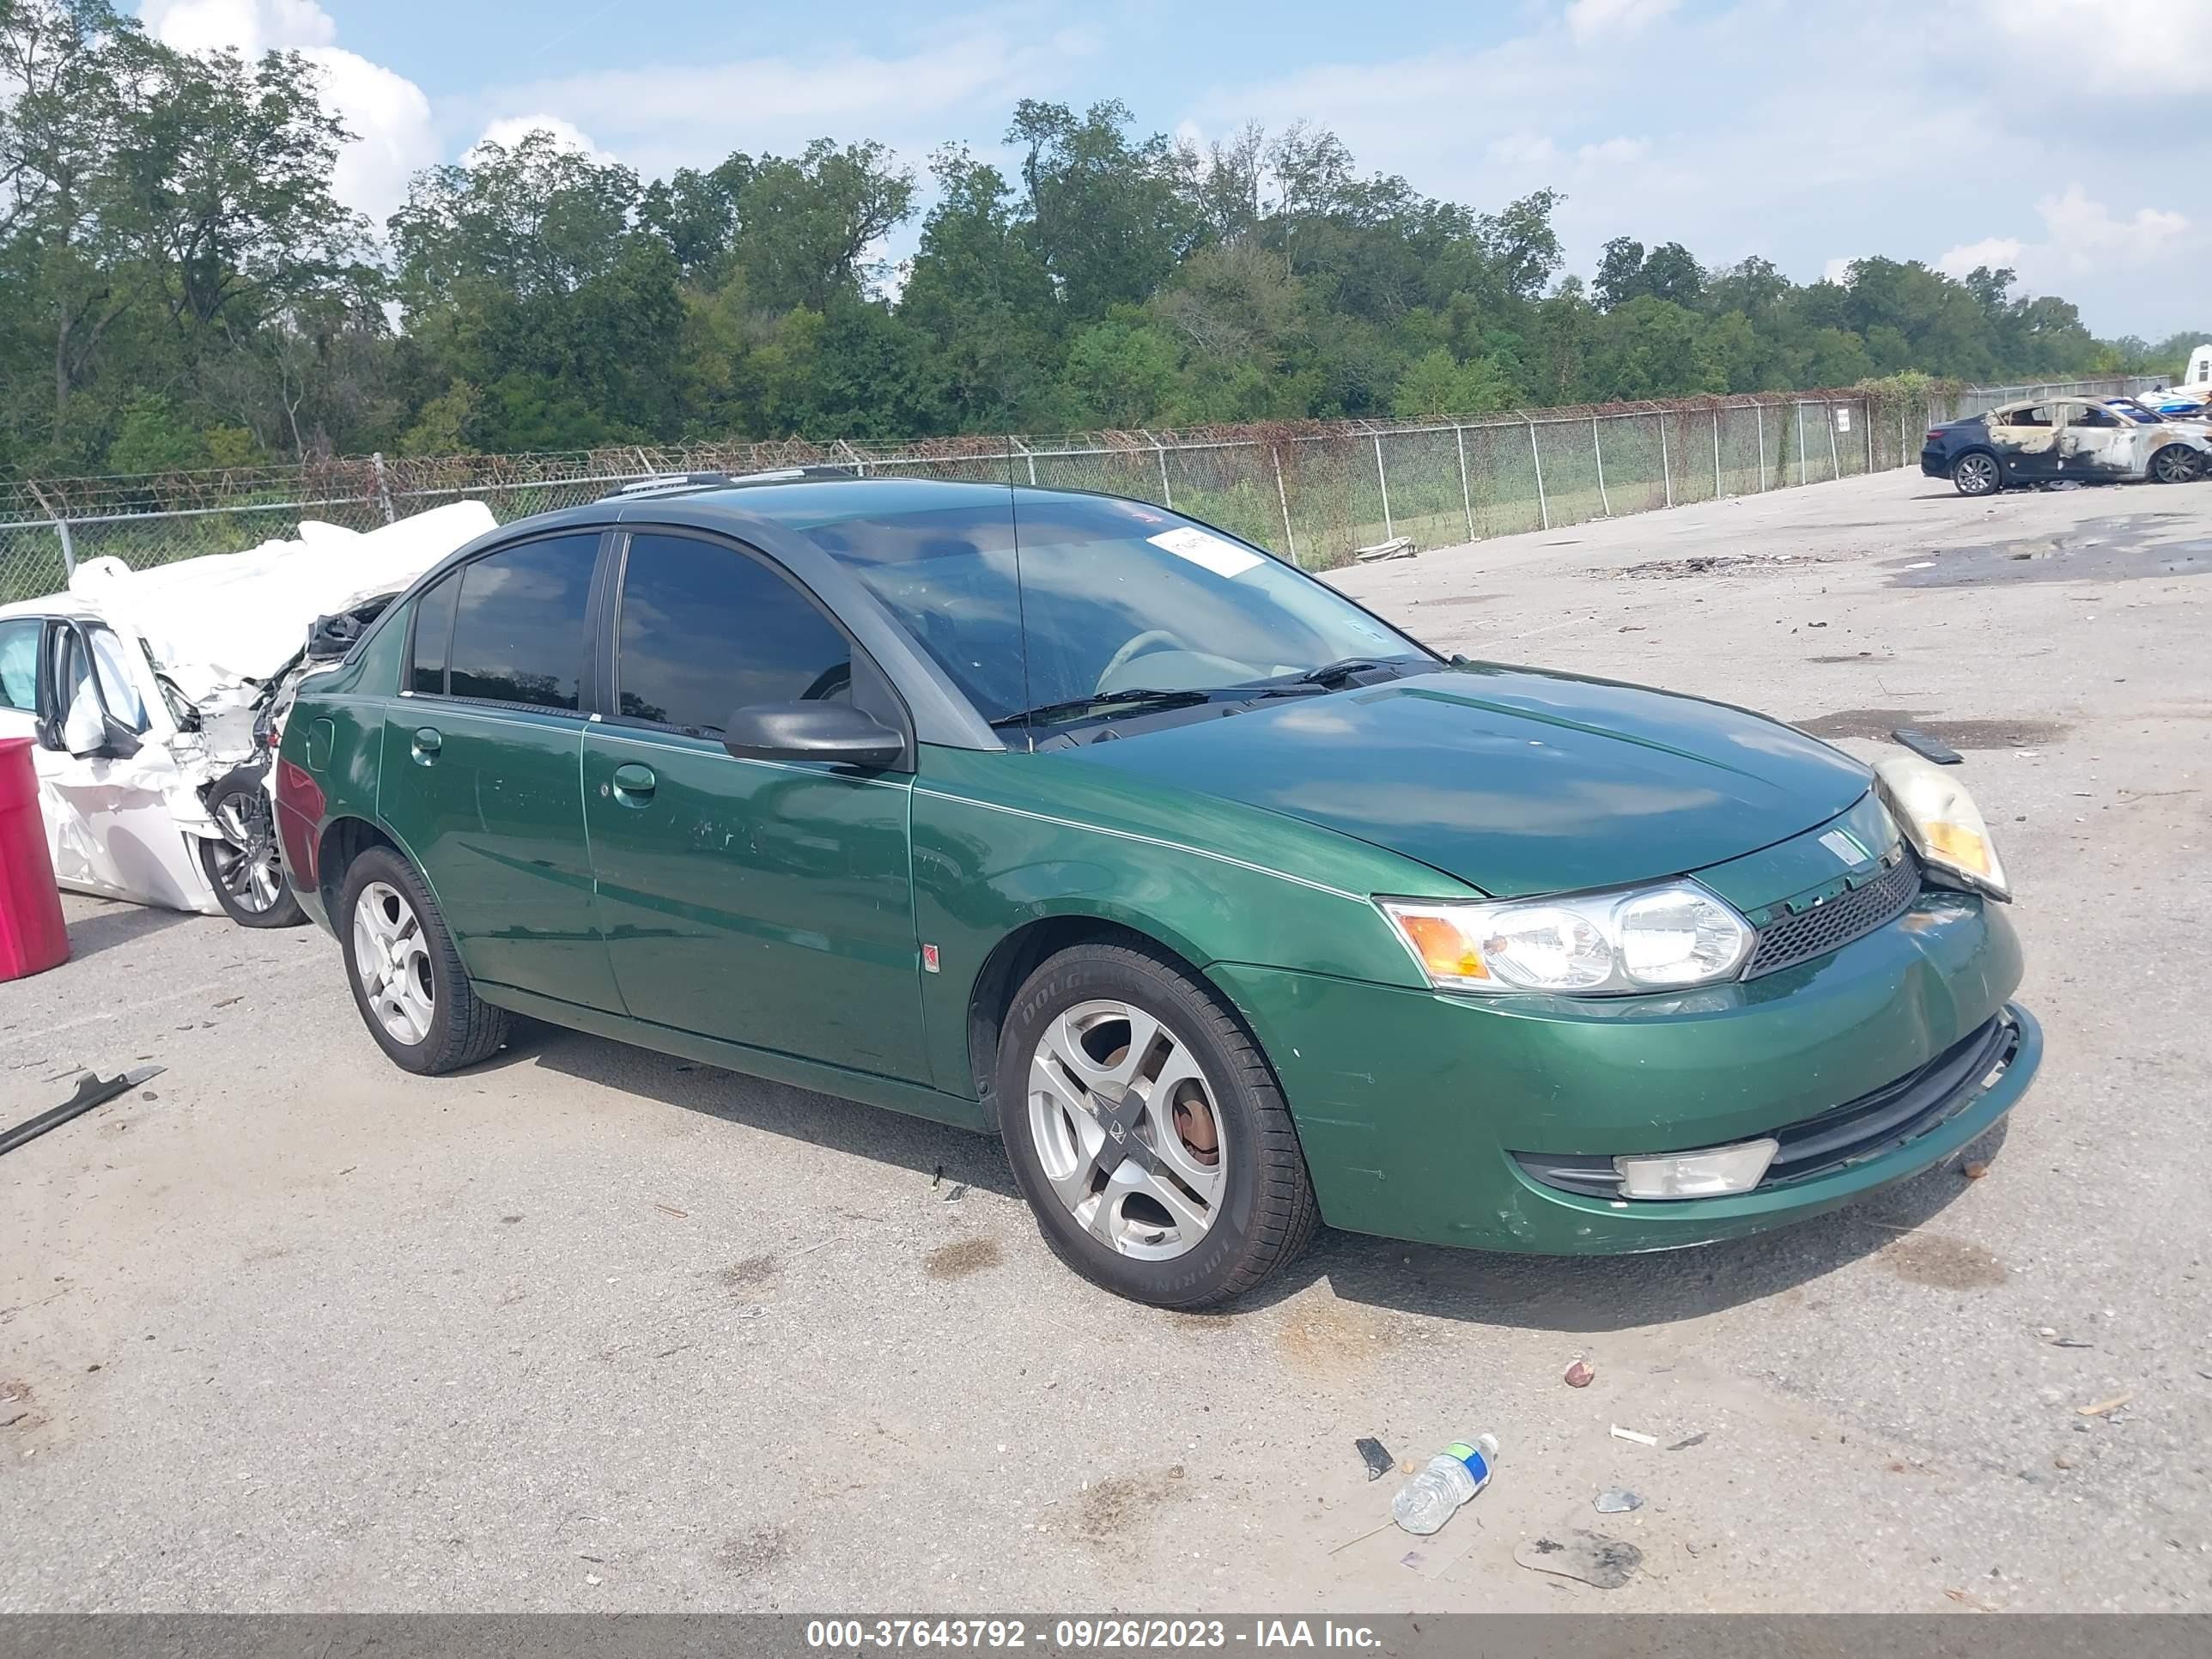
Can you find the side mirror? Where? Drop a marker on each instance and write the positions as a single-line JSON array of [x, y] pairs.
[[833, 732]]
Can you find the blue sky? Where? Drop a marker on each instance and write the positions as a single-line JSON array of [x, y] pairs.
[[1809, 132]]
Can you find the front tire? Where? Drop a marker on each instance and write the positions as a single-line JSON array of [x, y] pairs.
[[1147, 1132], [1977, 474], [243, 867], [407, 979], [2176, 464]]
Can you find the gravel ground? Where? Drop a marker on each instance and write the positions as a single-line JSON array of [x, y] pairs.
[[591, 1328]]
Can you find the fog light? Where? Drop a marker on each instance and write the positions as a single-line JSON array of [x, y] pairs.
[[1708, 1173]]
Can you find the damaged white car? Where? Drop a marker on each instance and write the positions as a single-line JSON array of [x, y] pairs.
[[157, 698]]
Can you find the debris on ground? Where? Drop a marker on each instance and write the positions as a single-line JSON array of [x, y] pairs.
[[1588, 1556], [1975, 1171], [1928, 748], [2106, 1407], [1636, 1435], [1579, 1375], [2070, 1342], [1706, 564], [956, 1192], [1617, 1500], [92, 1090], [1697, 1439], [1398, 547], [1966, 1601], [1377, 1456]]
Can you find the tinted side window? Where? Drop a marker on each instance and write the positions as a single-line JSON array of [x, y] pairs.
[[518, 628], [706, 630], [433, 632], [19, 663]]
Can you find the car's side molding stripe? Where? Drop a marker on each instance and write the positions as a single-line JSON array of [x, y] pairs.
[[1148, 841]]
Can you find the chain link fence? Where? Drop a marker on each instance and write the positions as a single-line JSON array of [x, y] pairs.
[[1313, 493]]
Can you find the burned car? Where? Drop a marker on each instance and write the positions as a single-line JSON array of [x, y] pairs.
[[157, 698], [2055, 440]]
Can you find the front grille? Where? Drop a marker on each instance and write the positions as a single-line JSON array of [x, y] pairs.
[[1834, 923], [1876, 1123]]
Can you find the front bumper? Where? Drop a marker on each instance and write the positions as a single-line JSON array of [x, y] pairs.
[[1411, 1106]]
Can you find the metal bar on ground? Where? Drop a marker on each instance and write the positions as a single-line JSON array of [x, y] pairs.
[[1543, 508], [1466, 496], [1597, 448], [1388, 530]]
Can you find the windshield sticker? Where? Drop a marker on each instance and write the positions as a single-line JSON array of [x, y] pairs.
[[1220, 556]]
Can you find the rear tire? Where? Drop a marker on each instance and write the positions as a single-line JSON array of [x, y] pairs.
[[1181, 1185], [407, 979], [243, 867], [1976, 473]]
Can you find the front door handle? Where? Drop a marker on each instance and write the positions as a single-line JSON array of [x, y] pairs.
[[427, 742], [633, 784]]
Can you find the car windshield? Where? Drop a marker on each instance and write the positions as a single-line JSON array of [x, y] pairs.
[[1112, 597]]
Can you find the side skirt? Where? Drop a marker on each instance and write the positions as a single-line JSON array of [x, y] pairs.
[[915, 1099]]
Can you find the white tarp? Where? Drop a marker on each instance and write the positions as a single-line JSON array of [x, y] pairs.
[[223, 618]]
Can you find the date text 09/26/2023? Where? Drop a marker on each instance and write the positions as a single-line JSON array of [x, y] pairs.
[[1125, 1635]]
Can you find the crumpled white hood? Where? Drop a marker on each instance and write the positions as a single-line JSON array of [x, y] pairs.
[[225, 618]]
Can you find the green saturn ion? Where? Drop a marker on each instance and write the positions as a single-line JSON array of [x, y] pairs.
[[1226, 906]]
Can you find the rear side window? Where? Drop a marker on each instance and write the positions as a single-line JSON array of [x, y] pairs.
[[19, 663], [519, 627], [433, 632], [706, 630]]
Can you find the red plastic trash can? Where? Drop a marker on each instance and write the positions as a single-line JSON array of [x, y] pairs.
[[32, 936]]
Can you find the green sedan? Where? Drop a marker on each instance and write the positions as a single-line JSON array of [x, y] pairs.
[[1228, 907]]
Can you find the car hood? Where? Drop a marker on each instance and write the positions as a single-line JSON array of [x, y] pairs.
[[1512, 780]]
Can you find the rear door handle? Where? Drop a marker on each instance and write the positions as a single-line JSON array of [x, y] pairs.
[[427, 742], [634, 783]]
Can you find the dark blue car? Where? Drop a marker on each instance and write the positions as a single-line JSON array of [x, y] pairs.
[[2071, 440]]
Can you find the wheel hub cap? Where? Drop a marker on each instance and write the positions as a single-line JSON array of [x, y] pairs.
[[1125, 1127]]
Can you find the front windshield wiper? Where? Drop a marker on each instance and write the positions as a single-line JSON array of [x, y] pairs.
[[1333, 674], [1098, 700]]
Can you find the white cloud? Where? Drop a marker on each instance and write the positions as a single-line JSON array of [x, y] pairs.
[[1594, 20], [393, 132], [510, 131], [2136, 48], [1759, 131], [248, 27], [692, 112], [1991, 251], [2084, 232]]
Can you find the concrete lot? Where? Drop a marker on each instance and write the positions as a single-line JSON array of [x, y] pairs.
[[593, 1329]]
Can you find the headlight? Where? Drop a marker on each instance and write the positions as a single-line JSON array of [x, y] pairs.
[[1650, 939], [1941, 820]]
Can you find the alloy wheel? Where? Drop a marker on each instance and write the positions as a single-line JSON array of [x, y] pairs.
[[2173, 466], [1128, 1130], [246, 860], [1977, 475], [393, 961]]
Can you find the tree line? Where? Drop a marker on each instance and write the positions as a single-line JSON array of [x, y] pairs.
[[179, 287]]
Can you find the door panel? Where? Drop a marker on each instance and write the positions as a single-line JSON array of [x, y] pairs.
[[756, 902], [480, 776], [763, 904], [2026, 443], [487, 801]]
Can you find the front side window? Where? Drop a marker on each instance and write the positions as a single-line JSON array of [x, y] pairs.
[[19, 663], [706, 630], [519, 625], [1106, 596]]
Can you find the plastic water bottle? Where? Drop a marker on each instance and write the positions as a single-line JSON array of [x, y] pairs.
[[1454, 1475]]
